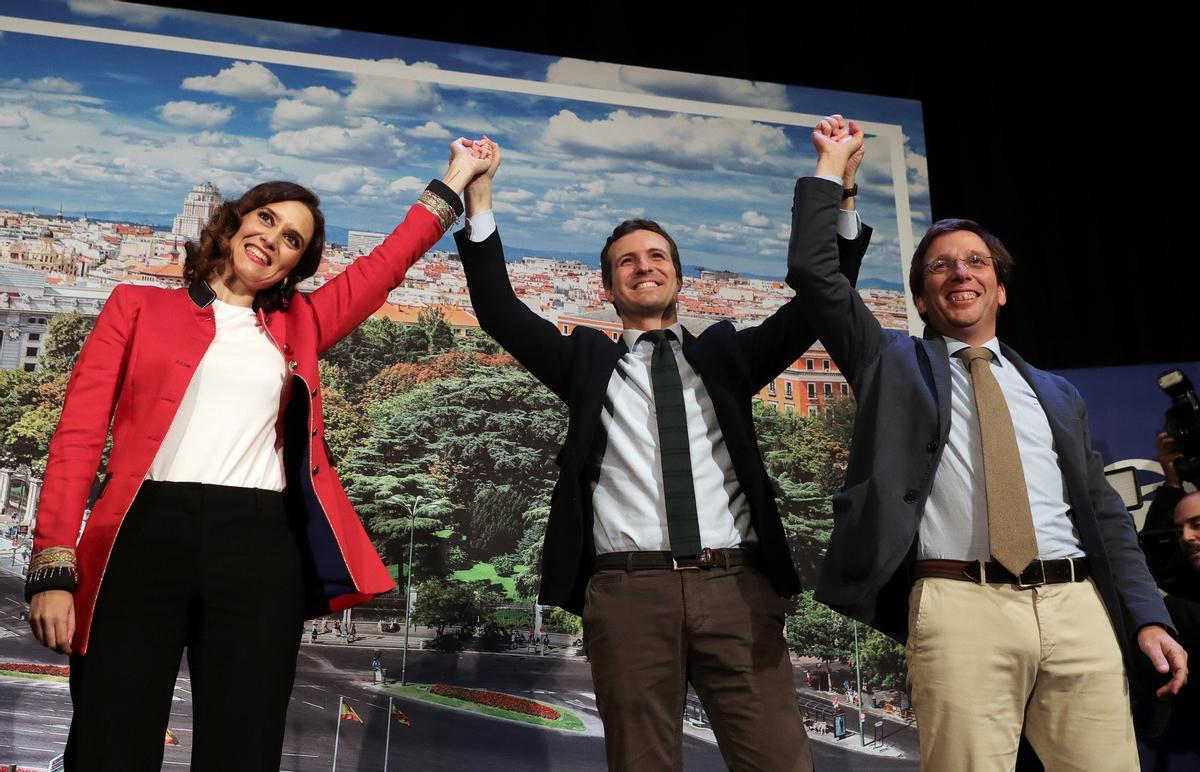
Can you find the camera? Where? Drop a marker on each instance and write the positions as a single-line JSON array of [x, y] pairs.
[[1183, 423]]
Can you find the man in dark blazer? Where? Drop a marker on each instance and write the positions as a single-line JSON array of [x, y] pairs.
[[990, 648], [658, 614]]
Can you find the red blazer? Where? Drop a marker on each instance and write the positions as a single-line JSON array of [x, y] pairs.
[[137, 363]]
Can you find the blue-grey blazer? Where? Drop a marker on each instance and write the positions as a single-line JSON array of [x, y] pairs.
[[902, 386]]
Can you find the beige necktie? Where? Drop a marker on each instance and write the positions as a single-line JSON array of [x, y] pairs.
[[1010, 524]]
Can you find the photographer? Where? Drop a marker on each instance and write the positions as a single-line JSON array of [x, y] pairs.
[[1170, 744], [1162, 508]]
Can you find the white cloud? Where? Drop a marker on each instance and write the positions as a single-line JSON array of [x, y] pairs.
[[917, 164], [83, 168], [133, 13], [195, 115], [267, 31], [310, 107], [319, 95], [367, 141], [587, 227], [13, 120], [232, 160], [246, 80], [215, 139], [513, 200], [514, 195], [580, 191], [50, 84], [405, 185], [430, 130], [705, 232], [682, 141], [261, 30], [300, 114], [754, 219], [391, 95], [348, 179], [138, 137], [683, 85]]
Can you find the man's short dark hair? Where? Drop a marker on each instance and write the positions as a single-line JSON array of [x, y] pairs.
[[1001, 259], [624, 229]]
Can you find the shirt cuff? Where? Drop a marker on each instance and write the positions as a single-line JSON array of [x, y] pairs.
[[481, 225], [849, 224]]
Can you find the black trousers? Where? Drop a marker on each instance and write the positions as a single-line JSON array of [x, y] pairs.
[[214, 570]]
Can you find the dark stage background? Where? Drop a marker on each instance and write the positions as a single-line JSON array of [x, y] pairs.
[[1063, 133]]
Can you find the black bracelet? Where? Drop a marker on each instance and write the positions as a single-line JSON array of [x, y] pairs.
[[850, 192]]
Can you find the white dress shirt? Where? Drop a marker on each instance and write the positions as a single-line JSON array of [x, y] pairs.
[[628, 499], [954, 525]]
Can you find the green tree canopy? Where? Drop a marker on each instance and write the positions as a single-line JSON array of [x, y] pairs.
[[375, 345], [806, 456], [817, 631], [65, 336], [883, 663], [497, 517], [445, 603]]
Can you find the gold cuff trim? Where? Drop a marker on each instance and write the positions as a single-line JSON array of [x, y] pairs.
[[439, 208], [52, 562], [53, 557], [53, 568]]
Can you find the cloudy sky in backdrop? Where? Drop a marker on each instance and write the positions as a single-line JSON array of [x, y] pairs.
[[98, 127]]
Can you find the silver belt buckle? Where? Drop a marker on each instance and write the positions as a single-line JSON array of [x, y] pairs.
[[1029, 586], [704, 559]]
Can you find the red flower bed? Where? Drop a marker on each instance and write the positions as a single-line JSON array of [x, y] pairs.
[[26, 667], [497, 700]]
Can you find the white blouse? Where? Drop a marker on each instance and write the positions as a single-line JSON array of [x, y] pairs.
[[224, 431]]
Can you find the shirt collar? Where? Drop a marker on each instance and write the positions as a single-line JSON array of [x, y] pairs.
[[953, 346], [631, 336]]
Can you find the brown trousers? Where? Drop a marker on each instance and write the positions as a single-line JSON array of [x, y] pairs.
[[649, 633]]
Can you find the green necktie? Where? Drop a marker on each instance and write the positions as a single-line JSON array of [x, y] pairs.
[[674, 449]]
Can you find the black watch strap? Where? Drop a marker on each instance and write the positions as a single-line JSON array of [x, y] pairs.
[[850, 192]]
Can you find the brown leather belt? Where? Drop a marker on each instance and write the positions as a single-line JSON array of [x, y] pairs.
[[1038, 572], [651, 560]]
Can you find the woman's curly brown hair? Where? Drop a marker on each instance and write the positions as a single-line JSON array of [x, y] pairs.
[[209, 256]]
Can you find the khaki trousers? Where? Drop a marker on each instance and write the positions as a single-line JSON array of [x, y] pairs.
[[648, 633], [986, 659]]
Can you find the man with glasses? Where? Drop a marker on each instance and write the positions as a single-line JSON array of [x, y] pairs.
[[975, 521]]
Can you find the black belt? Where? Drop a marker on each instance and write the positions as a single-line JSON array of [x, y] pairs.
[[650, 560], [1037, 573]]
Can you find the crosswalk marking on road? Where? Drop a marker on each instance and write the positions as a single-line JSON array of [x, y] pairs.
[[33, 683], [30, 748], [23, 715]]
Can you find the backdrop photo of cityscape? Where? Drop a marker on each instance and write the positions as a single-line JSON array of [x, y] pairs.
[[122, 128]]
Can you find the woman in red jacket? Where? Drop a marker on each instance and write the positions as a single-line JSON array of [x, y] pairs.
[[220, 525]]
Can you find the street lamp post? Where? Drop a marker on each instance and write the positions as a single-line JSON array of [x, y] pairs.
[[412, 519], [862, 738]]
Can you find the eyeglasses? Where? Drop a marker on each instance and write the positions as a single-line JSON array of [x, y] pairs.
[[973, 263]]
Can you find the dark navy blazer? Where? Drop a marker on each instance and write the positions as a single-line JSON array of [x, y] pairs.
[[734, 365]]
